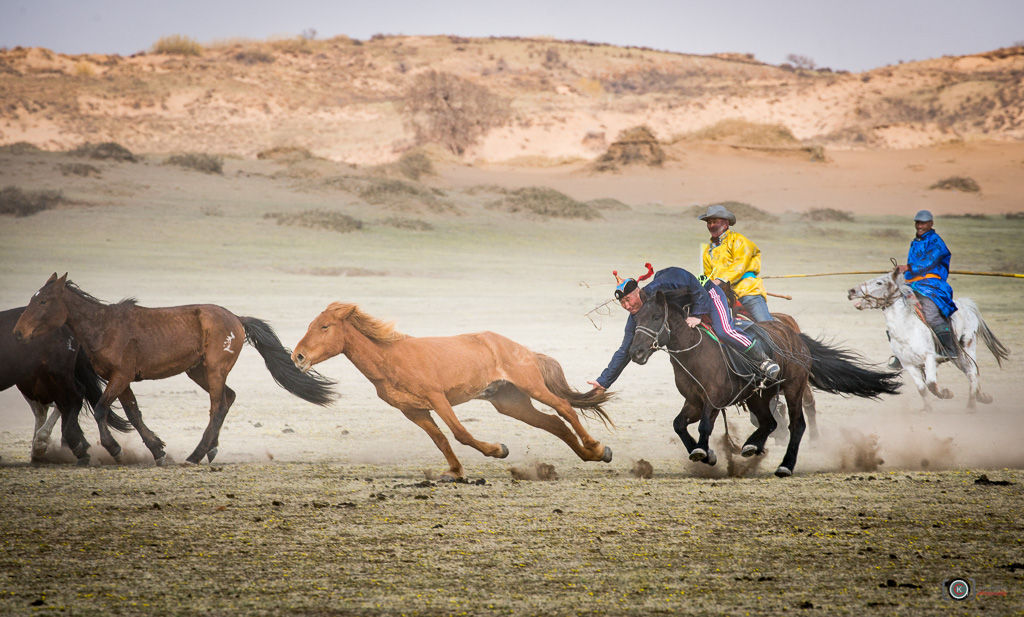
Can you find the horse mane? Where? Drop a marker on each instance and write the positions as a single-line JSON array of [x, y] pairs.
[[69, 284], [376, 329]]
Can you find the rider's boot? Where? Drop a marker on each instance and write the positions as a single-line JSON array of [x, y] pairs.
[[766, 365], [947, 343]]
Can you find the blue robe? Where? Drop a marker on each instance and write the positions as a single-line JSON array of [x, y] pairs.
[[929, 258], [689, 290]]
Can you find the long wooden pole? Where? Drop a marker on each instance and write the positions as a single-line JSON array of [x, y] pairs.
[[968, 272]]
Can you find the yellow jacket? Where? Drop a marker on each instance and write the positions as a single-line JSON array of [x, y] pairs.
[[737, 260]]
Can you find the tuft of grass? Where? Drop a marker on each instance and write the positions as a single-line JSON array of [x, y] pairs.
[[635, 146], [107, 150], [957, 183], [250, 57], [177, 45], [16, 202], [966, 215], [394, 192], [410, 224], [741, 131], [78, 169], [821, 215], [20, 147], [285, 154], [608, 203], [206, 163], [743, 211], [412, 165], [546, 202], [1015, 216], [317, 219]]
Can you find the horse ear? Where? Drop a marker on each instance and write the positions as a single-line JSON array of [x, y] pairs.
[[660, 298], [53, 277], [63, 279]]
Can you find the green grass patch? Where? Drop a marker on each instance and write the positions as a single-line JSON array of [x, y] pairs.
[[546, 202]]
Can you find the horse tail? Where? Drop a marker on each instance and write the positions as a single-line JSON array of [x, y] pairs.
[[554, 379], [309, 386], [93, 385], [841, 371], [994, 345]]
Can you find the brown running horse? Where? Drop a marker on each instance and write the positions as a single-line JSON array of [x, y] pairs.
[[129, 343], [417, 375]]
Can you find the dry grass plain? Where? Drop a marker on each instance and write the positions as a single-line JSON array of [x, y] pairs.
[[331, 511]]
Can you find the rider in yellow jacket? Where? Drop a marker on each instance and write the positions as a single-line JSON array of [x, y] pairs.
[[731, 257]]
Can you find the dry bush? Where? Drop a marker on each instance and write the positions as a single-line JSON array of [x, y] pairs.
[[250, 57], [635, 146], [1015, 216], [83, 69], [449, 110], [410, 224], [107, 150], [743, 211], [206, 163], [394, 192], [412, 165], [177, 45], [317, 219], [608, 203], [78, 169], [820, 215], [736, 130], [966, 215], [957, 183], [285, 154], [21, 147], [546, 202], [16, 202]]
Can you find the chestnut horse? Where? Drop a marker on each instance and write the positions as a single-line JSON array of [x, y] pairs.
[[129, 343], [417, 375], [704, 378], [52, 370]]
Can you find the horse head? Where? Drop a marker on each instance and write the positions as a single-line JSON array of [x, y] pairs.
[[652, 332], [879, 292], [325, 337], [46, 311]]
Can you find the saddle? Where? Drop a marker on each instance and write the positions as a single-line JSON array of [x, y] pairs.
[[738, 362]]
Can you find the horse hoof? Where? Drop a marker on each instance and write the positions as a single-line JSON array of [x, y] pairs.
[[945, 393], [211, 454], [160, 462], [783, 472], [698, 455], [189, 463], [607, 456], [119, 457], [712, 458], [446, 479], [984, 398], [749, 450]]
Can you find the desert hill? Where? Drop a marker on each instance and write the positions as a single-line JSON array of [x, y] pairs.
[[531, 100]]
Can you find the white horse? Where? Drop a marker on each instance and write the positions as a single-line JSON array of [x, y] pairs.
[[912, 340]]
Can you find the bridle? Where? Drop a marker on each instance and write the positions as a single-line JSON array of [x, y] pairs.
[[656, 336]]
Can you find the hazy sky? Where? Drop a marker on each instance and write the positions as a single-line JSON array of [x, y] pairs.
[[849, 34]]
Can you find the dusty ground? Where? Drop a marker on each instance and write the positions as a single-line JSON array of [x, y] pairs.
[[321, 511]]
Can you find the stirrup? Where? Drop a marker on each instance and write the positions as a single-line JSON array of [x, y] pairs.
[[894, 363], [770, 369]]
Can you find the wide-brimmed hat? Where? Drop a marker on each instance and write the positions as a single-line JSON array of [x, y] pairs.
[[718, 212], [924, 216]]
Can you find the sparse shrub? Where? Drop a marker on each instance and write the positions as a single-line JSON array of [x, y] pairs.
[[743, 211], [820, 215], [206, 163], [177, 45], [410, 224], [16, 202], [635, 146], [285, 154], [966, 215], [745, 132], [317, 219], [83, 69], [391, 191], [107, 150], [449, 110], [78, 169], [801, 62], [546, 202], [1015, 216], [957, 183], [608, 203], [412, 165], [20, 148], [250, 57]]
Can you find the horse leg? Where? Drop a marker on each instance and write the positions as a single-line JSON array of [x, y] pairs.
[[969, 365], [43, 428], [766, 425], [797, 424], [689, 414], [117, 384], [707, 423], [780, 412], [72, 434], [221, 398], [444, 409], [512, 402], [422, 419], [811, 413], [931, 378], [917, 374], [134, 414], [598, 451]]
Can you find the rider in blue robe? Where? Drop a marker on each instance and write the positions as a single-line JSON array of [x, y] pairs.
[[926, 271]]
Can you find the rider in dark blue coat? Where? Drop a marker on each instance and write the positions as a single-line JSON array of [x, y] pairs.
[[704, 298], [926, 271]]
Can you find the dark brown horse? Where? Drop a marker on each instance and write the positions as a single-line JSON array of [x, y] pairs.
[[417, 375], [52, 370], [127, 343], [704, 377]]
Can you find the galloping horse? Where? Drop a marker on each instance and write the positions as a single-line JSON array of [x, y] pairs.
[[417, 375], [129, 343], [912, 340], [51, 370], [703, 376]]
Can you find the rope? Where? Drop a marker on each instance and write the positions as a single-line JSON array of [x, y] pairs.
[[967, 272]]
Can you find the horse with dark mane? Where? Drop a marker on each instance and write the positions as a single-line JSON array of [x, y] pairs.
[[52, 370], [127, 343], [417, 375], [703, 375]]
